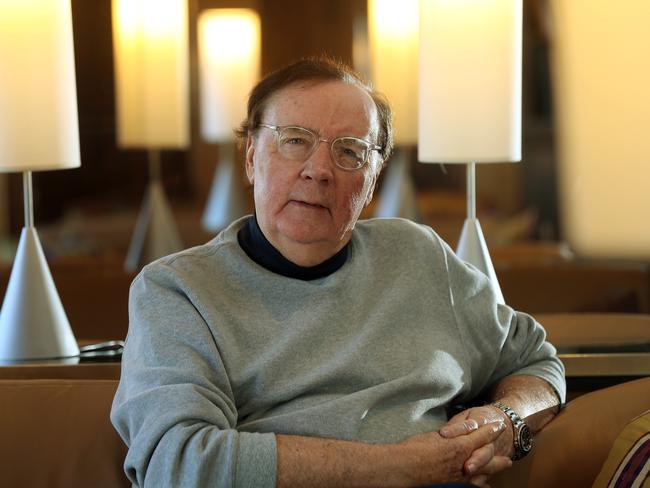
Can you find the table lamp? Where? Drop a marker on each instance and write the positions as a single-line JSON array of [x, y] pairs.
[[393, 46], [229, 66], [470, 96], [38, 131], [151, 54]]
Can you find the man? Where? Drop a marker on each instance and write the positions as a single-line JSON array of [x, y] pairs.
[[303, 348]]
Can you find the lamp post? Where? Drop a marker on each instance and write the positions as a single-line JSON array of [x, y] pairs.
[[470, 96]]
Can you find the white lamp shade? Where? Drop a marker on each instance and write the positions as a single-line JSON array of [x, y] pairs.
[[151, 53], [229, 67], [393, 43], [470, 81], [601, 74], [38, 96]]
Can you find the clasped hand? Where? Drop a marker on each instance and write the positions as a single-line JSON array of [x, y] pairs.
[[493, 456], [472, 446]]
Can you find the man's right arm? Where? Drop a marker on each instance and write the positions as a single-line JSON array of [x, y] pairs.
[[418, 461]]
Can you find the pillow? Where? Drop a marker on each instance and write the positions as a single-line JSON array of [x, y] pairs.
[[628, 462]]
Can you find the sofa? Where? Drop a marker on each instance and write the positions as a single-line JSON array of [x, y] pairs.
[[57, 433]]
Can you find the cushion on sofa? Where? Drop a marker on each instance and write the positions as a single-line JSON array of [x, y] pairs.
[[628, 463], [57, 433]]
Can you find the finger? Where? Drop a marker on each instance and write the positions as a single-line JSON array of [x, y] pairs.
[[495, 465], [480, 480], [486, 434], [478, 459], [458, 428]]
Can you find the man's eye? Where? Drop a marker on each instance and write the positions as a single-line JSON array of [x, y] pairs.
[[295, 141], [350, 152]]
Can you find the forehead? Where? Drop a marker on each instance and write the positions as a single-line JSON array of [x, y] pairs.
[[333, 108]]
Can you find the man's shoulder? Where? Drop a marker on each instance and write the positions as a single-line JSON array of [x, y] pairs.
[[396, 229], [214, 254], [400, 238]]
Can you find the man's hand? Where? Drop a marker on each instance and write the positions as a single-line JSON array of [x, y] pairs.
[[531, 397], [478, 466], [470, 454]]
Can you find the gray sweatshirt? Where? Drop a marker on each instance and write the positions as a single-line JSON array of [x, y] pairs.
[[222, 354]]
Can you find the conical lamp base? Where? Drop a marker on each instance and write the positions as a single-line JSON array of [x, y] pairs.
[[33, 323], [473, 249], [227, 200], [155, 234], [398, 197]]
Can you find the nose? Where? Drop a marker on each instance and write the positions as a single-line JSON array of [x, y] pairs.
[[319, 164]]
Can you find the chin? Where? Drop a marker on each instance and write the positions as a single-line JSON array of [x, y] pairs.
[[304, 236], [307, 233]]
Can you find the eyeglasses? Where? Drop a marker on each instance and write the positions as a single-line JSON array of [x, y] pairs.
[[298, 143]]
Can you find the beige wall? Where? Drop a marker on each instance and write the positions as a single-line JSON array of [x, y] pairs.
[[602, 74]]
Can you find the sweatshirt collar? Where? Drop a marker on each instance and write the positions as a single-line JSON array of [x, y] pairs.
[[253, 241]]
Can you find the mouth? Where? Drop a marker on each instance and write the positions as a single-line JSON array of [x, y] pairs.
[[312, 205]]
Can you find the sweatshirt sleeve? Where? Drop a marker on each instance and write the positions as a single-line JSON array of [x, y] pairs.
[[499, 341], [175, 408]]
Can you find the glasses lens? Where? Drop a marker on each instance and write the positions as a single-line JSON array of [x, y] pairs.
[[296, 143], [350, 153]]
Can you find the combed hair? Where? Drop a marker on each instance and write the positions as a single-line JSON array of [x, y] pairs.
[[318, 68]]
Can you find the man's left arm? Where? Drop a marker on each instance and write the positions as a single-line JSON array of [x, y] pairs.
[[527, 380], [510, 363]]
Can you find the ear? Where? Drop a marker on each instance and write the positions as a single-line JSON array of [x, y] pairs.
[[250, 152]]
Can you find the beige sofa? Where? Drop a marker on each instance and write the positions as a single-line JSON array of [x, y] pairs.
[[56, 433]]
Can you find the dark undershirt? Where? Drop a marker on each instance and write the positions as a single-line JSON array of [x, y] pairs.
[[259, 249]]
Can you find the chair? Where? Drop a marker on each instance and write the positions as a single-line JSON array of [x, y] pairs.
[[57, 433]]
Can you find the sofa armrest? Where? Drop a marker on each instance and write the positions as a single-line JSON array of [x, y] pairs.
[[571, 449]]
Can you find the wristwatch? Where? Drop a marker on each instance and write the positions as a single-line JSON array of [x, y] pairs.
[[523, 439]]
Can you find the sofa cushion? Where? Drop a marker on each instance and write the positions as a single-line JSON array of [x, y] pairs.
[[57, 433], [628, 463]]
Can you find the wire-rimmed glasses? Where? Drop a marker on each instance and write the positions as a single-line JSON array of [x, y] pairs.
[[298, 143]]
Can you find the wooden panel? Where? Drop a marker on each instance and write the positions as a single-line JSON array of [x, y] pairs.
[[292, 29], [575, 287]]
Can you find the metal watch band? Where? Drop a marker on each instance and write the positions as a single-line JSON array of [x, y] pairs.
[[522, 437]]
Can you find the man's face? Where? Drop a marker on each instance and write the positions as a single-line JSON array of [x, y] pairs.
[[307, 209]]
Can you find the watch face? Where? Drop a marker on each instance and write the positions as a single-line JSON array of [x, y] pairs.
[[525, 439]]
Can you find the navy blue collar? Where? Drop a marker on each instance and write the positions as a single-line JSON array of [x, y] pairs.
[[259, 249]]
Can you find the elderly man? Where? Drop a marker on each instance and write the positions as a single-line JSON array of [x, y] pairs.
[[302, 347]]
